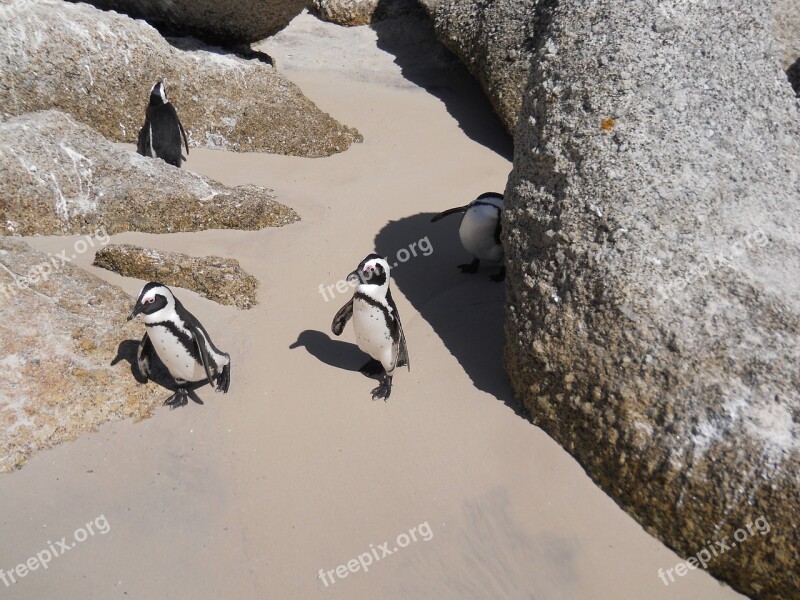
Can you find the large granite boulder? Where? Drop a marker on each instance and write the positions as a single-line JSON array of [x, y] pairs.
[[494, 39], [651, 232], [219, 279], [60, 330], [99, 66], [230, 22], [61, 177]]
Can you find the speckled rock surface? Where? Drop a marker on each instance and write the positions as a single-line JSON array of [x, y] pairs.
[[346, 12], [233, 21], [494, 39], [219, 279], [60, 330], [59, 176], [651, 234], [99, 66]]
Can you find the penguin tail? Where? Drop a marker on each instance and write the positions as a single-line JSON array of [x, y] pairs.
[[448, 212], [224, 379]]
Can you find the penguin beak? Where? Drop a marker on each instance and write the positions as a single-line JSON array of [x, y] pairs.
[[355, 277], [136, 310]]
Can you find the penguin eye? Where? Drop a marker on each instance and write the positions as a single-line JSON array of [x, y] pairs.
[[149, 300]]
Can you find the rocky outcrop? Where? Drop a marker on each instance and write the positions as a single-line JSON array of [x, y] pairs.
[[494, 39], [61, 177], [651, 233], [349, 13], [60, 328], [231, 22], [99, 66], [219, 279]]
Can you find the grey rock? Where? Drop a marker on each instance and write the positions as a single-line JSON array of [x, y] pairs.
[[349, 13], [99, 66], [65, 368], [61, 177], [495, 40], [233, 21], [219, 279], [665, 359]]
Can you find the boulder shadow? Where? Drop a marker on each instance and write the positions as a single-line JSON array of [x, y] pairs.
[[406, 32], [467, 311]]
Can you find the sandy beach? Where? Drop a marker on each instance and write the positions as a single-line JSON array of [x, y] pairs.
[[297, 470]]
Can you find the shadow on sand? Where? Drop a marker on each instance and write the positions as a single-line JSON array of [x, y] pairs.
[[407, 33], [158, 372], [466, 310]]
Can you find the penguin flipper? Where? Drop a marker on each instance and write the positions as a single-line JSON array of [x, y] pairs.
[[342, 317], [201, 342], [144, 356], [450, 211], [144, 139], [401, 348]]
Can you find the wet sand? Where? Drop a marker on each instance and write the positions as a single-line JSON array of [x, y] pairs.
[[297, 469]]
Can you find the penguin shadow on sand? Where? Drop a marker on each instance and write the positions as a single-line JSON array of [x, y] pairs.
[[339, 354], [405, 31], [466, 310], [158, 372]]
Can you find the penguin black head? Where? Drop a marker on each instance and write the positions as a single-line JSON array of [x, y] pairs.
[[153, 298], [371, 273], [158, 94]]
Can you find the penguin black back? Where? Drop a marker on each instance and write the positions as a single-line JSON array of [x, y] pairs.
[[162, 133]]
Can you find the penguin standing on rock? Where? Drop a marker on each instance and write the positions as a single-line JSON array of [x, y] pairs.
[[480, 231], [180, 341], [162, 133], [376, 322]]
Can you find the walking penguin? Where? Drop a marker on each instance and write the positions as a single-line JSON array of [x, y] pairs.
[[162, 133], [376, 322], [480, 232], [180, 341]]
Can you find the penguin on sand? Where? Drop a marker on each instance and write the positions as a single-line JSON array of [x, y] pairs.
[[180, 342], [480, 232], [162, 133], [376, 322]]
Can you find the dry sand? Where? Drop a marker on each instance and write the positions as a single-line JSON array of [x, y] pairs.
[[297, 469]]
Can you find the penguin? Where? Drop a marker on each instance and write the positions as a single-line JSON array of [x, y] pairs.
[[161, 135], [180, 341], [480, 231], [376, 322]]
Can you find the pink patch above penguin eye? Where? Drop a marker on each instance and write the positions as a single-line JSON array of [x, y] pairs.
[[149, 300]]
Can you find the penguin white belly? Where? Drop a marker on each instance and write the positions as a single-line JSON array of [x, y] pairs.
[[477, 232], [174, 355], [372, 334]]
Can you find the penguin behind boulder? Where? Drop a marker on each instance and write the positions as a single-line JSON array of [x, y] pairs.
[[480, 231], [376, 322], [162, 133], [180, 341]]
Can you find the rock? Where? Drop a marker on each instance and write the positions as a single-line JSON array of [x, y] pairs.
[[351, 13], [346, 12], [231, 22], [60, 328], [651, 234], [494, 39], [99, 67], [61, 177], [219, 279], [786, 18]]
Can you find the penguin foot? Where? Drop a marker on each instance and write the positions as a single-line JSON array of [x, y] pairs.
[[471, 267], [383, 390], [179, 398], [499, 276], [224, 379], [372, 367]]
